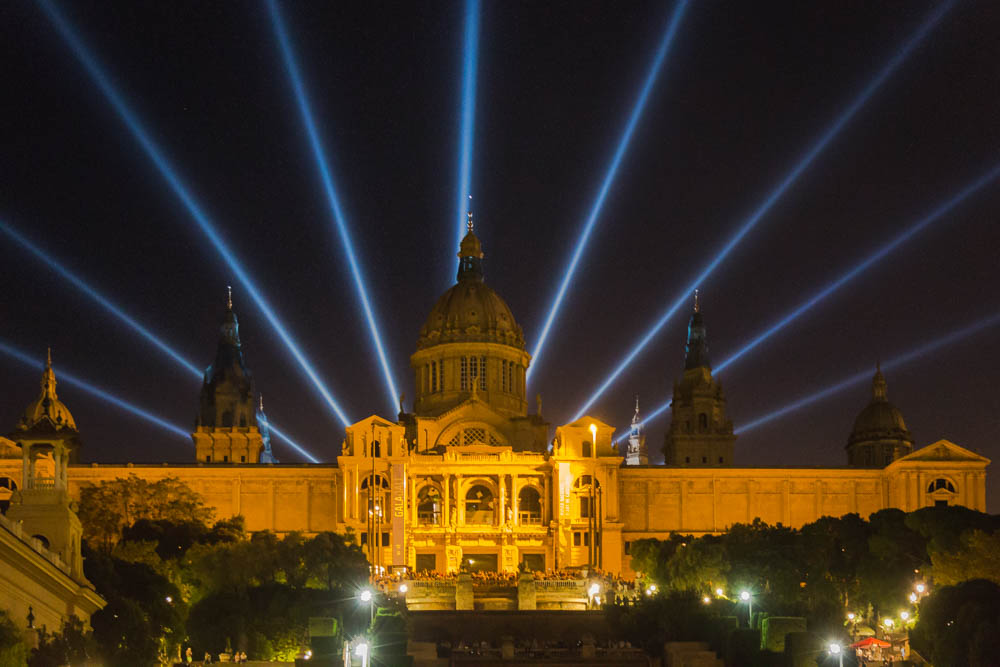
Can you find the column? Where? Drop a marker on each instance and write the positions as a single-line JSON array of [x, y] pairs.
[[25, 466], [502, 483], [447, 500], [513, 499], [414, 519], [56, 474]]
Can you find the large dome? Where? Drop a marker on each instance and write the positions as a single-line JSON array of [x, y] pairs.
[[880, 420], [470, 312]]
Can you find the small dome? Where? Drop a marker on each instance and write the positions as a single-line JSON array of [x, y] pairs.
[[47, 405], [880, 420]]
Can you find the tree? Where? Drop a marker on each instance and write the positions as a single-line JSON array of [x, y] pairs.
[[73, 645], [976, 556], [958, 624], [109, 507], [13, 651]]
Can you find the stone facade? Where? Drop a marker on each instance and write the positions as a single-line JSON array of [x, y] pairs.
[[471, 480]]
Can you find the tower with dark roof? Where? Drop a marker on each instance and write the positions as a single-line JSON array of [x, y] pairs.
[[700, 434], [226, 429], [879, 436]]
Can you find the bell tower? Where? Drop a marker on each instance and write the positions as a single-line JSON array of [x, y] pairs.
[[226, 430], [49, 440], [700, 434], [636, 454]]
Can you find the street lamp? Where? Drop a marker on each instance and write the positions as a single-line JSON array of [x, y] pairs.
[[746, 597], [905, 615], [719, 592], [362, 650], [706, 600], [921, 588], [366, 596], [403, 588], [837, 650]]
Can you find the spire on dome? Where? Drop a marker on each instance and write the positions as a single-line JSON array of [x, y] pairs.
[[635, 417], [229, 297], [696, 351], [48, 379], [470, 253], [879, 384]]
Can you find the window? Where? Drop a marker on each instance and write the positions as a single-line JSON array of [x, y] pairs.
[[479, 505], [533, 562], [720, 459], [577, 540], [426, 562], [584, 507], [225, 459], [941, 483], [529, 506], [510, 376], [587, 449], [44, 540], [703, 421], [208, 458], [628, 547], [482, 373], [243, 459], [465, 374], [429, 506], [503, 375], [364, 539], [473, 369], [704, 459], [687, 459], [434, 376], [385, 540]]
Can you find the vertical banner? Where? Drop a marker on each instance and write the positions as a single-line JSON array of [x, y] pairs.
[[398, 514]]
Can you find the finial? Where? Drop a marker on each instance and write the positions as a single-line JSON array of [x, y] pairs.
[[260, 405], [637, 404], [229, 297], [48, 358], [696, 307], [468, 225]]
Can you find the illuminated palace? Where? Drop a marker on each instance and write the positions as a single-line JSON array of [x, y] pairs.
[[471, 479]]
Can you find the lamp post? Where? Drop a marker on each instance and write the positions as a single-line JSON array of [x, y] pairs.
[[748, 598], [591, 519], [366, 596], [362, 650], [837, 650]]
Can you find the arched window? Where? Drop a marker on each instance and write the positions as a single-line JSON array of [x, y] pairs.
[[378, 502], [529, 506], [939, 484], [44, 540], [702, 421], [479, 506], [7, 489], [429, 505]]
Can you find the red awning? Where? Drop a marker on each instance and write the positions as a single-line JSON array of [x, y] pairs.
[[871, 642]]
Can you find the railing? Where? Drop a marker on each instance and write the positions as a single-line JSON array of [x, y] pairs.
[[480, 458], [529, 518], [43, 483], [429, 518]]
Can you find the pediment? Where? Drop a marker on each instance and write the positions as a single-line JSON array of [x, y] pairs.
[[942, 451]]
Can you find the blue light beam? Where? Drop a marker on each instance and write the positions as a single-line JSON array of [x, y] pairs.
[[74, 381], [116, 310], [595, 210], [151, 149], [941, 210], [814, 151], [291, 443], [323, 166], [915, 353], [91, 292], [864, 265], [466, 140]]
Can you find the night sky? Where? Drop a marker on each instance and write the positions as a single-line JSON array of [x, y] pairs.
[[746, 89]]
